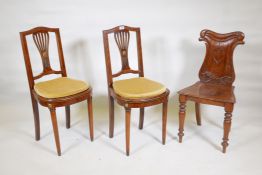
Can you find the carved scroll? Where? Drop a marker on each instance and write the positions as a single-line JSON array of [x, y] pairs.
[[218, 64]]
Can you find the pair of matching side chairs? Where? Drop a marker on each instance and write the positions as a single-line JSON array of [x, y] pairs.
[[215, 85]]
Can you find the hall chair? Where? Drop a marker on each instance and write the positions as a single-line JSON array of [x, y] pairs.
[[216, 78], [137, 92], [58, 92]]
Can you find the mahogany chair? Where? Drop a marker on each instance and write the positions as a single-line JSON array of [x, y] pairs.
[[57, 92], [136, 92], [216, 78]]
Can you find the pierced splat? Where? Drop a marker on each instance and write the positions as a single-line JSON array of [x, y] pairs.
[[218, 64], [122, 40], [41, 40]]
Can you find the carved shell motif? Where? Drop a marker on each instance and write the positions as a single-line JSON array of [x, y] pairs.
[[122, 40], [41, 40]]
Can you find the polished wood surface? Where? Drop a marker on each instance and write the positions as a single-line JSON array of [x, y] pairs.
[[216, 78], [41, 39], [122, 38]]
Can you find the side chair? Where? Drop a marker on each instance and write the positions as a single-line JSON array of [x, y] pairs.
[[58, 92], [138, 92], [216, 78]]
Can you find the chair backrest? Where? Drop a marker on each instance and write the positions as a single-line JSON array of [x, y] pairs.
[[122, 37], [217, 67], [41, 39]]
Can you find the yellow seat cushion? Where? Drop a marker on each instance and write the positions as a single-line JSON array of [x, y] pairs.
[[60, 87], [138, 88]]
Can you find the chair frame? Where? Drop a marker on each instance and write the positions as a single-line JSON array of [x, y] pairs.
[[225, 80], [121, 34], [41, 38]]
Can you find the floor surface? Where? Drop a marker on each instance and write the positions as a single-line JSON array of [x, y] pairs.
[[200, 152]]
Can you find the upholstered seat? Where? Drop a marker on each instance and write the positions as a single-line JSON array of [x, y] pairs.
[[138, 88], [60, 87], [219, 93]]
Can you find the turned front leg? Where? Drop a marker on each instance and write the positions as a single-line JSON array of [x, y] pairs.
[[227, 125], [182, 114]]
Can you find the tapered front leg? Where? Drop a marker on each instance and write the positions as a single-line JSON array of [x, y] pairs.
[[198, 115], [182, 114], [227, 125], [141, 118], [111, 117], [67, 111], [164, 121], [55, 128], [128, 113], [36, 118], [90, 117]]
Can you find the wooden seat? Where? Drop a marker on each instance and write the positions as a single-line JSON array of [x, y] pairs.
[[131, 93], [57, 92], [219, 93], [216, 78]]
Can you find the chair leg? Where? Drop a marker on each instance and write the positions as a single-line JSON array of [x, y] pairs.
[[67, 111], [141, 118], [55, 128], [36, 118], [128, 113], [182, 114], [227, 125], [164, 121], [198, 115], [111, 117], [90, 117]]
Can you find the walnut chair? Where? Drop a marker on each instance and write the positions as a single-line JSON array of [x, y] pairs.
[[138, 92], [58, 92], [216, 78]]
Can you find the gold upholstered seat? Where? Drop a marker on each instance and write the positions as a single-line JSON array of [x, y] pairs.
[[138, 88], [60, 87]]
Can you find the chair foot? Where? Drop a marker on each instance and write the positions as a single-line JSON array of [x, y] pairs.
[[128, 113], [111, 117], [198, 115], [227, 126], [164, 121], [67, 111], [55, 128], [141, 118], [90, 117], [36, 118]]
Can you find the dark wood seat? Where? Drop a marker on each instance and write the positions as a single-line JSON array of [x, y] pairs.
[[212, 92], [135, 95], [216, 78], [53, 93]]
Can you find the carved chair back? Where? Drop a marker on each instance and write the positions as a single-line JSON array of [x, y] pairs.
[[217, 67], [41, 39], [122, 38]]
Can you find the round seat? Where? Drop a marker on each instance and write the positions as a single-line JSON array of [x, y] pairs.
[[60, 87], [138, 88]]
